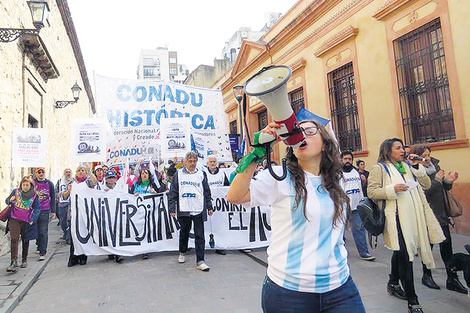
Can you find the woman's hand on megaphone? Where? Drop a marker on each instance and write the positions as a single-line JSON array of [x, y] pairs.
[[269, 134]]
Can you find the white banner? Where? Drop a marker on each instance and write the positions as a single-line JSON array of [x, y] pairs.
[[175, 138], [134, 109], [29, 147], [115, 222], [88, 140]]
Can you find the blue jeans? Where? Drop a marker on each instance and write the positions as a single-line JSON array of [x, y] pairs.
[[345, 299], [359, 233], [62, 216], [43, 227]]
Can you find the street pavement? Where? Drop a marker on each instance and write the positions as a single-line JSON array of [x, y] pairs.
[[160, 284]]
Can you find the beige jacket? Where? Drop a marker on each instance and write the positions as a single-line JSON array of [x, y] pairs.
[[381, 188]]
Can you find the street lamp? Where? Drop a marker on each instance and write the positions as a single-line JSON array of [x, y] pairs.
[[238, 91], [76, 95], [39, 9]]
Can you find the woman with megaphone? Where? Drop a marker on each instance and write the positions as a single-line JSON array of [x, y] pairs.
[[308, 269]]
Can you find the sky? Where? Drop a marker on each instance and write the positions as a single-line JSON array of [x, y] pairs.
[[111, 33]]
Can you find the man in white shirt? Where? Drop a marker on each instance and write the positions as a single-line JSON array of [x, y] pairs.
[[353, 188], [189, 199]]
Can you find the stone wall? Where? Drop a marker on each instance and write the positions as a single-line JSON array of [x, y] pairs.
[[24, 92]]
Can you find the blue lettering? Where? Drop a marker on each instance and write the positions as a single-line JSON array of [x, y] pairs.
[[155, 92], [174, 113], [136, 120], [143, 93], [193, 100], [159, 114], [195, 119], [114, 120], [182, 96], [169, 94], [123, 92], [149, 116], [209, 122], [126, 119]]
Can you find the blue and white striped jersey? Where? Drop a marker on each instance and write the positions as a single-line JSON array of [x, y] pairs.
[[305, 255]]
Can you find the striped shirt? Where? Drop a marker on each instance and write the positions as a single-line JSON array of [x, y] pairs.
[[305, 255]]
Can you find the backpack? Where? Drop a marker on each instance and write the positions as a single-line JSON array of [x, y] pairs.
[[372, 217]]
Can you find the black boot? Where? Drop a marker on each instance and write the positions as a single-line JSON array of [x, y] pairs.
[[453, 283], [428, 281], [396, 290], [415, 308]]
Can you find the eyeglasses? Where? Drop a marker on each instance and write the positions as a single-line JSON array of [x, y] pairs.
[[40, 172], [310, 131]]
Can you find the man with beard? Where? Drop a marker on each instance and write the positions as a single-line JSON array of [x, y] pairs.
[[63, 204], [353, 188]]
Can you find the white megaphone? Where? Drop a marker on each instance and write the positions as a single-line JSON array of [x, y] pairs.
[[270, 86]]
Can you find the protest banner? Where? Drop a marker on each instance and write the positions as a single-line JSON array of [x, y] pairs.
[[88, 140], [116, 222], [174, 137], [28, 147], [135, 108]]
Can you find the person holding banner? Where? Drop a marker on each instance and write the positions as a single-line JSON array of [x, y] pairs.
[[189, 197], [63, 204], [215, 178], [24, 213], [80, 177], [145, 185], [46, 192], [308, 269]]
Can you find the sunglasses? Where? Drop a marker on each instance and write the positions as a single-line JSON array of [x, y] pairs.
[[40, 172]]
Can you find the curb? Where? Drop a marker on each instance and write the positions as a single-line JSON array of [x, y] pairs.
[[30, 279]]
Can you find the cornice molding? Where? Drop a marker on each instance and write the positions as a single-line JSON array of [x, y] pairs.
[[345, 34], [388, 8], [298, 65], [231, 105]]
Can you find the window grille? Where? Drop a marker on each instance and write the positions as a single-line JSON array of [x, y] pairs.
[[233, 128], [343, 105], [262, 119], [423, 85], [296, 98]]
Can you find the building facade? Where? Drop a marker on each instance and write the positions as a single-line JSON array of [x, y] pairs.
[[377, 69], [39, 69], [160, 63]]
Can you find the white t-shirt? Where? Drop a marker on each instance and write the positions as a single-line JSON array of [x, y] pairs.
[[305, 255], [352, 186]]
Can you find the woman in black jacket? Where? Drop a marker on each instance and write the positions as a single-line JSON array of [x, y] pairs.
[[437, 199]]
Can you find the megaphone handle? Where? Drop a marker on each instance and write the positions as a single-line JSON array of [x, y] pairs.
[[270, 168]]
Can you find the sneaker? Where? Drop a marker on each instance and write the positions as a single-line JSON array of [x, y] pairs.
[[12, 268], [202, 266], [367, 257], [37, 252], [119, 259], [24, 264], [181, 258], [415, 308], [42, 257], [145, 256]]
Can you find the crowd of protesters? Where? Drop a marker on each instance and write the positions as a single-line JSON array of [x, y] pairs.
[[410, 186]]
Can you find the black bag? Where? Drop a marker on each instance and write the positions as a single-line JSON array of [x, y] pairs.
[[373, 218]]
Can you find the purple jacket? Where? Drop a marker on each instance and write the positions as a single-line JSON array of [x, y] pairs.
[[46, 192], [22, 213]]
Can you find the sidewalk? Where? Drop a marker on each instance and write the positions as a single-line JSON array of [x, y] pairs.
[[14, 286], [160, 284]]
